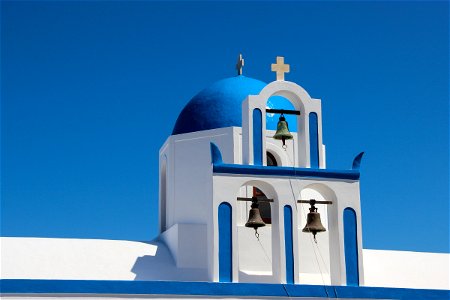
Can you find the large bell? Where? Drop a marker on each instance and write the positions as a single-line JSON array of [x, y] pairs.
[[313, 223], [283, 131], [254, 217]]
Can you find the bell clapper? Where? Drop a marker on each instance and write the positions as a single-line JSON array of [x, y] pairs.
[[256, 233]]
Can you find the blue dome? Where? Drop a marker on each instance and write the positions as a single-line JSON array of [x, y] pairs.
[[217, 106]]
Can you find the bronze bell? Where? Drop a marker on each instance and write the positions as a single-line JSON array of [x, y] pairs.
[[283, 131], [313, 223], [254, 217]]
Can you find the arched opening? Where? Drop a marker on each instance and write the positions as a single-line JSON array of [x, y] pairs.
[[314, 258], [279, 102], [271, 160], [295, 98], [255, 253], [264, 207], [276, 155]]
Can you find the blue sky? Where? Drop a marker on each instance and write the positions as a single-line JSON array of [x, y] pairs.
[[91, 90]]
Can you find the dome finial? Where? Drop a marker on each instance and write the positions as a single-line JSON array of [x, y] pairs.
[[280, 68], [239, 64]]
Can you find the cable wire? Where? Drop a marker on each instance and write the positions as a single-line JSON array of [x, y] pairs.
[[265, 253]]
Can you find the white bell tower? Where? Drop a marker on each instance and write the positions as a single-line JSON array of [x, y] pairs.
[[205, 167]]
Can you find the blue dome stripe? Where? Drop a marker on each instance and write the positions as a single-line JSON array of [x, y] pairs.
[[217, 106]]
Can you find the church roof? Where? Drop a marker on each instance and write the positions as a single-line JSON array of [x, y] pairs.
[[217, 106], [40, 265]]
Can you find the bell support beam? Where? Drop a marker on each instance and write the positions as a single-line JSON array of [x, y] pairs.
[[313, 201], [258, 199], [283, 111]]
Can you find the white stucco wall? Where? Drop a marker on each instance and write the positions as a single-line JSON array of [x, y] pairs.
[[89, 259], [407, 269], [86, 259]]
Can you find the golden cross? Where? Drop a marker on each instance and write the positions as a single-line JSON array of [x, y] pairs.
[[280, 68], [239, 64]]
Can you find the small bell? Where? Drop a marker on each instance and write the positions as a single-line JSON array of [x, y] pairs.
[[313, 223], [254, 218], [283, 131]]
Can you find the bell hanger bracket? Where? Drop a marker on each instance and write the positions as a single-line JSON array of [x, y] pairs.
[[283, 111], [313, 202]]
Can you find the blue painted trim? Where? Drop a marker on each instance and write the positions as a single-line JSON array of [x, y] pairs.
[[225, 243], [216, 155], [104, 287], [351, 247], [357, 161], [285, 171], [288, 244], [257, 137], [313, 140]]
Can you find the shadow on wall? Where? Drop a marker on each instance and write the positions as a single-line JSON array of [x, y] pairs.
[[161, 266]]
